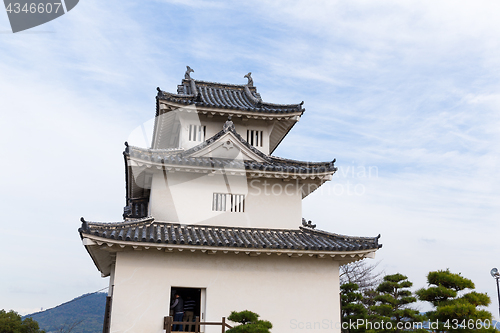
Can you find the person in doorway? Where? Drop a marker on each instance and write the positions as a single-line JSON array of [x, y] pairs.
[[189, 306], [178, 309]]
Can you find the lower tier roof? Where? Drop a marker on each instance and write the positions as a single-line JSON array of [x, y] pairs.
[[155, 233]]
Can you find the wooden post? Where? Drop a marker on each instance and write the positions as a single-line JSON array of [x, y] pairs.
[[167, 324], [197, 325], [107, 315], [223, 324]]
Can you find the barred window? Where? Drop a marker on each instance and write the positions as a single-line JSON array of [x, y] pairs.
[[226, 202], [197, 133], [255, 138]]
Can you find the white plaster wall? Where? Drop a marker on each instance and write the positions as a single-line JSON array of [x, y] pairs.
[[214, 125], [295, 294], [242, 127], [187, 198], [161, 204]]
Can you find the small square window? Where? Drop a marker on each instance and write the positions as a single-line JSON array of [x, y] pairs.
[[226, 202], [255, 138], [197, 133]]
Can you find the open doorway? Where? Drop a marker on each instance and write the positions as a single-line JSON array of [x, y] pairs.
[[190, 296]]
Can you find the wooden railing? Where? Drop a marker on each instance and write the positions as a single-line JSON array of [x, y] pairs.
[[169, 321]]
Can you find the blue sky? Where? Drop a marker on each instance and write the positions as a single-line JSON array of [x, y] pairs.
[[408, 89]]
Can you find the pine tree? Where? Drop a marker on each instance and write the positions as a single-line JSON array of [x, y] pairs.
[[250, 323], [452, 312], [352, 308], [369, 301], [393, 303]]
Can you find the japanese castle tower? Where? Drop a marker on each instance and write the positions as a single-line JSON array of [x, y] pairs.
[[212, 215]]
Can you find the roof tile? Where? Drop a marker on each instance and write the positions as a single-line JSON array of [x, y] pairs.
[[225, 96], [236, 237]]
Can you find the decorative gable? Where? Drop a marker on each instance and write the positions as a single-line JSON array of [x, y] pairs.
[[228, 146]]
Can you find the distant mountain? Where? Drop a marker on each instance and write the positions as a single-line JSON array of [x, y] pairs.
[[85, 313]]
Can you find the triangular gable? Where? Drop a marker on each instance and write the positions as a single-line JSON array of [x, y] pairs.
[[228, 146]]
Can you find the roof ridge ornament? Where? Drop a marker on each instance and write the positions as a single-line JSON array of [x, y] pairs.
[[228, 125], [160, 92], [250, 80], [255, 98], [308, 224], [189, 70], [85, 225]]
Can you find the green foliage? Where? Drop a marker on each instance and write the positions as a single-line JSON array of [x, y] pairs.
[[451, 309], [243, 317], [352, 308], [436, 294], [250, 323], [393, 302], [449, 280], [477, 299], [12, 322], [369, 300]]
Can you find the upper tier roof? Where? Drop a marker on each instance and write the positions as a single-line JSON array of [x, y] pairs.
[[226, 96], [268, 163], [271, 164]]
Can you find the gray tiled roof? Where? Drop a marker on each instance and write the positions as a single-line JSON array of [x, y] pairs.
[[149, 231], [275, 164], [225, 96]]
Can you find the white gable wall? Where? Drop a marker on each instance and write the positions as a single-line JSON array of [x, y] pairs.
[[214, 125], [296, 294]]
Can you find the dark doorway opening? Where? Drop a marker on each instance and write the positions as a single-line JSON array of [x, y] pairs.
[[187, 294]]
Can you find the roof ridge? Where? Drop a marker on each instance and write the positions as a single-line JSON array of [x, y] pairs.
[[232, 96], [164, 93], [142, 220], [299, 162], [284, 105], [156, 149], [338, 235], [220, 84]]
